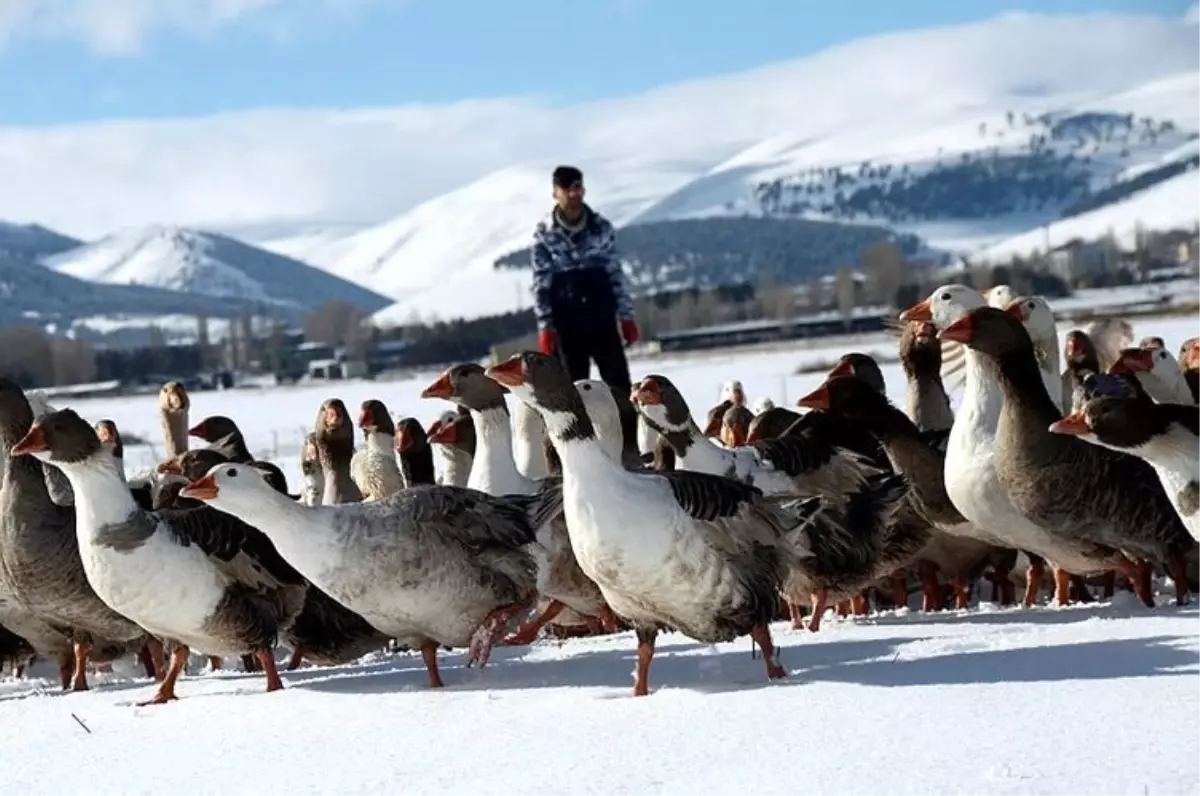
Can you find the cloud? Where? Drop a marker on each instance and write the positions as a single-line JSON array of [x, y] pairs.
[[1193, 13], [119, 27]]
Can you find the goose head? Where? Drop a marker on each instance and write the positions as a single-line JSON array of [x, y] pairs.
[[542, 382], [410, 436], [1080, 352], [191, 464], [173, 399], [62, 438], [920, 349], [848, 396], [214, 428], [333, 422], [992, 332], [1036, 314], [110, 437], [1153, 341], [735, 426], [15, 409], [1122, 424], [771, 424], [861, 365], [762, 404], [310, 459], [1133, 360], [659, 401], [1189, 354], [601, 406], [945, 305], [1000, 296], [373, 417], [457, 432], [467, 385], [732, 391], [712, 423], [237, 489]]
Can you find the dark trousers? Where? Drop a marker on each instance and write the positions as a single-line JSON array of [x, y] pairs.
[[579, 348]]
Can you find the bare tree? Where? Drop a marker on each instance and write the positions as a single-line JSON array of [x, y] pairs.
[[883, 264], [844, 291], [337, 323]]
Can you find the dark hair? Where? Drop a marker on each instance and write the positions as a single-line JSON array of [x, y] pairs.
[[566, 176]]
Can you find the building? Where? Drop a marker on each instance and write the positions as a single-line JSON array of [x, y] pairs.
[[862, 320]]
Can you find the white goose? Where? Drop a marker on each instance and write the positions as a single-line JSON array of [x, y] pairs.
[[696, 552], [1039, 321], [374, 467], [452, 437]]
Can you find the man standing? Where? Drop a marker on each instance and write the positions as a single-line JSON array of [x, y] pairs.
[[582, 304]]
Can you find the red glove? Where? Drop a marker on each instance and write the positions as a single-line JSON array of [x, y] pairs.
[[629, 330], [547, 341]]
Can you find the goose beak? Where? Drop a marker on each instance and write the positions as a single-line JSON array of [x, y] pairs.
[[842, 368], [1075, 425], [1138, 361], [170, 466], [509, 373], [1073, 346], [440, 388], [403, 440], [1017, 310], [646, 393], [104, 430], [714, 427], [364, 417], [817, 399], [961, 331], [442, 434], [918, 312], [33, 442], [204, 488], [198, 431]]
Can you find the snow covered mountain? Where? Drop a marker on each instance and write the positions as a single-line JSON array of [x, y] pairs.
[[33, 240], [207, 264], [965, 135]]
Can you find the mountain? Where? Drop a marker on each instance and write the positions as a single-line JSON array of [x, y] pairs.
[[33, 240], [964, 135], [208, 264]]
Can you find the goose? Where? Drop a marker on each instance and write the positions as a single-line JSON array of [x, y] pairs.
[[735, 426], [1076, 490], [174, 404], [771, 424], [1038, 318], [1082, 361], [374, 468], [53, 643], [221, 433], [494, 471], [971, 477], [428, 566], [762, 404], [334, 437], [1189, 363], [714, 418], [953, 355], [1110, 336], [1166, 436], [1152, 341], [40, 561], [56, 483], [414, 454], [310, 469], [528, 451], [195, 577], [733, 392], [699, 553], [1163, 379], [453, 441], [15, 651], [927, 404]]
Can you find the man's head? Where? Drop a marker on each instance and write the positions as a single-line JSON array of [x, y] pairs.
[[568, 188]]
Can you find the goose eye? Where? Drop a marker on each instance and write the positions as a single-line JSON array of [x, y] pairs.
[[945, 297], [232, 473]]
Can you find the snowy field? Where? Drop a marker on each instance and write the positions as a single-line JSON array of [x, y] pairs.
[[1092, 699]]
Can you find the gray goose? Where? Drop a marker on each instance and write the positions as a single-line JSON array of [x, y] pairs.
[[702, 554], [452, 436], [374, 467], [414, 454], [428, 566], [334, 438], [310, 468], [1064, 485], [40, 560], [222, 434], [196, 578]]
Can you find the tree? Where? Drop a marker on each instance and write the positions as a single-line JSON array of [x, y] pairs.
[[844, 292], [337, 323], [883, 264]]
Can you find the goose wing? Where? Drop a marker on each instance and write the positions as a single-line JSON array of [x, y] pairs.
[[239, 550]]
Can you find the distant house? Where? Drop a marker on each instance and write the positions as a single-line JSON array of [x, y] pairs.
[[1079, 258], [336, 369]]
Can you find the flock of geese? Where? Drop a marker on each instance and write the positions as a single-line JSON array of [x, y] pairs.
[[488, 528]]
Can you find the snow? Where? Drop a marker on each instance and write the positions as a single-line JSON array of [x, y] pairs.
[[1170, 204], [960, 702]]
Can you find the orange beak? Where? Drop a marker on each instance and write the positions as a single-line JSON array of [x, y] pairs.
[[714, 426], [1075, 425], [961, 331], [918, 312], [198, 431], [751, 435], [509, 373], [364, 418], [817, 399], [1073, 346], [33, 442], [443, 434], [204, 488], [1191, 357], [441, 388], [647, 393], [169, 466], [1140, 360], [104, 430], [1017, 310], [732, 436], [403, 440], [842, 368]]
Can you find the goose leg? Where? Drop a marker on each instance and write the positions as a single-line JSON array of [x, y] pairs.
[[795, 614], [900, 591], [1062, 586], [961, 600], [66, 666], [214, 662], [931, 590], [429, 656], [1033, 580], [608, 620], [1079, 590], [858, 604], [166, 689], [842, 609], [251, 664], [1177, 568], [528, 631], [645, 654], [268, 665], [1139, 578], [294, 662], [818, 609], [762, 636], [485, 637], [1108, 582], [82, 648]]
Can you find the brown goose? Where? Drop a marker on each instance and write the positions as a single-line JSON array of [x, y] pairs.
[[40, 561], [195, 577], [770, 424], [453, 439], [735, 426], [374, 467], [310, 469], [334, 437], [1064, 485]]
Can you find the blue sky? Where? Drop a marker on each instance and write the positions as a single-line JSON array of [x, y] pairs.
[[77, 60]]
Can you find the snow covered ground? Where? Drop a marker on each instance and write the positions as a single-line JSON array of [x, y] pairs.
[[1094, 699]]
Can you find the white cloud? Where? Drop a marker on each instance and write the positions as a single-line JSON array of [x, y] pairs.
[[1193, 13], [118, 27]]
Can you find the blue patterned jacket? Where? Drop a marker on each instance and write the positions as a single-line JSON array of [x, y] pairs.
[[577, 277]]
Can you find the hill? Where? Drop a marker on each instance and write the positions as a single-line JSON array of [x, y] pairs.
[[978, 132], [722, 251], [207, 264], [33, 240]]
